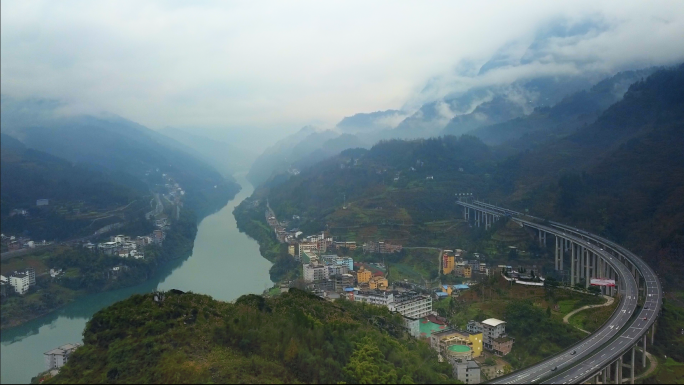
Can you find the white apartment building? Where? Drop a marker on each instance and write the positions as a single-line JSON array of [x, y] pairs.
[[491, 329], [412, 305], [56, 358], [314, 272], [20, 282], [374, 297]]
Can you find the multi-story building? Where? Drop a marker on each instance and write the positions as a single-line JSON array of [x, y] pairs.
[[336, 269], [345, 245], [440, 340], [335, 260], [108, 248], [468, 372], [31, 272], [314, 272], [20, 282], [363, 275], [378, 283], [374, 297], [292, 250], [494, 336], [381, 247], [411, 304], [56, 358], [447, 263], [311, 247], [342, 281], [467, 271]]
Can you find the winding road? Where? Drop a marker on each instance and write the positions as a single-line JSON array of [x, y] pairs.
[[620, 334]]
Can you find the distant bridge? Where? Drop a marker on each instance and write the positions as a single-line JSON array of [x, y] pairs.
[[599, 357]]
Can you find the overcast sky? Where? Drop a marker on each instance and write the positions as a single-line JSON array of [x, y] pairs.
[[286, 64]]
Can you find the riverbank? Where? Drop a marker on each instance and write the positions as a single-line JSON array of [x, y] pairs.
[[87, 273], [224, 264], [250, 219]]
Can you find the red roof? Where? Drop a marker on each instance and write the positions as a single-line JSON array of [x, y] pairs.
[[378, 274]]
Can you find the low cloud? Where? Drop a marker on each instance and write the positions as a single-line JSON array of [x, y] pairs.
[[277, 66]]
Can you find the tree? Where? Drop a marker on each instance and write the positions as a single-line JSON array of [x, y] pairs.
[[367, 365]]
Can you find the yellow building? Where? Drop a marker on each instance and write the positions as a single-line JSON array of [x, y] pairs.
[[467, 271], [440, 341], [363, 275], [379, 283], [447, 264], [291, 250], [447, 289]]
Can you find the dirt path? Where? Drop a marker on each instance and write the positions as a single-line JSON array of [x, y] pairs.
[[653, 364], [566, 319]]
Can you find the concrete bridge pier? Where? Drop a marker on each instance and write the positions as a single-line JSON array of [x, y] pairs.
[[573, 261], [631, 368], [618, 369], [643, 354]]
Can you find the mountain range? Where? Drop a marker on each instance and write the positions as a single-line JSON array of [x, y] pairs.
[[620, 174]]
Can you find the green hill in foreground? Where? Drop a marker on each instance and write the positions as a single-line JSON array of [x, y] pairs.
[[295, 337]]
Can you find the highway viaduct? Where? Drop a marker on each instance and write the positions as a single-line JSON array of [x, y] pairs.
[[599, 358]]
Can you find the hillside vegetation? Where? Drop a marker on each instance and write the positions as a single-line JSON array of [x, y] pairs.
[[293, 338], [78, 195], [621, 176]]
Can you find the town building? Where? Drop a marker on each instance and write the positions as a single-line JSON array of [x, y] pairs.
[[375, 297], [411, 304], [56, 358], [336, 270], [342, 281], [350, 245], [381, 247], [494, 337], [363, 275], [378, 283], [468, 372], [440, 340], [314, 272], [20, 282], [335, 260], [292, 250], [447, 263], [467, 271], [311, 247]]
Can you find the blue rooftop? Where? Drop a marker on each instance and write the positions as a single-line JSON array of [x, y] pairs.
[[348, 289], [461, 287], [441, 294]]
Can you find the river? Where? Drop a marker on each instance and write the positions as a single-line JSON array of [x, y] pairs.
[[224, 264]]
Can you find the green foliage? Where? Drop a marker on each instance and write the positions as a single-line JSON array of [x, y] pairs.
[[295, 337], [537, 335]]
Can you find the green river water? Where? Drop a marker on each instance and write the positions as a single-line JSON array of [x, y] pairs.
[[224, 264]]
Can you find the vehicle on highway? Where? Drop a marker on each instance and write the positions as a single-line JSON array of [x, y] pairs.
[[554, 368], [574, 352]]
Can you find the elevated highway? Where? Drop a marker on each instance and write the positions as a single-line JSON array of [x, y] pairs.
[[600, 356]]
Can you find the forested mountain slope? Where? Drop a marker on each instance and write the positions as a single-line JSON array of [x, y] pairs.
[[117, 144], [293, 338], [553, 122], [29, 175], [621, 176]]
